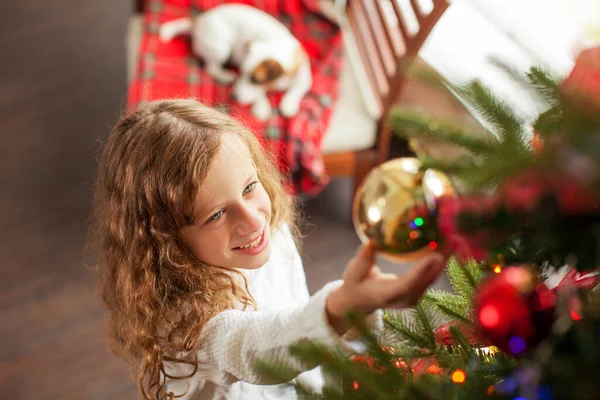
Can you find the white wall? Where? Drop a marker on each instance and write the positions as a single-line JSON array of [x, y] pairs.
[[521, 32], [583, 13]]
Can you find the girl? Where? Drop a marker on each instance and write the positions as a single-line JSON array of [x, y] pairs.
[[198, 265]]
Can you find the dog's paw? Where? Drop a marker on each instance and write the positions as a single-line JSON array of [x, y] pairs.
[[225, 77], [221, 74], [262, 110], [289, 107]]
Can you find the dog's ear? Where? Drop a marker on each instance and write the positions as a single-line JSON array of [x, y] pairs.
[[266, 72]]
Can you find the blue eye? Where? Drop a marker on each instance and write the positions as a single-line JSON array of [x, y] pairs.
[[249, 188], [216, 216]]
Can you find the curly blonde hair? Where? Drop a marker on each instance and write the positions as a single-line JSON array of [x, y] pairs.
[[159, 296]]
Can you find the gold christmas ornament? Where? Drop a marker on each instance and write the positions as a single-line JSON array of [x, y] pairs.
[[395, 208]]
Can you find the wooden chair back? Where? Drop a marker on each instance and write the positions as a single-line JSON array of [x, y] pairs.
[[389, 35]]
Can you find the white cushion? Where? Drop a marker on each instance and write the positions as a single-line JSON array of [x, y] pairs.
[[133, 39], [352, 126]]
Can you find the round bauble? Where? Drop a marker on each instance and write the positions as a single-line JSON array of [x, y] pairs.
[[395, 209]]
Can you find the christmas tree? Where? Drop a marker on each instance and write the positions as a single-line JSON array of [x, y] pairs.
[[524, 319]]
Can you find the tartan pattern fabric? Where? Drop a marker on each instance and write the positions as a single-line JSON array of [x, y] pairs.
[[170, 70]]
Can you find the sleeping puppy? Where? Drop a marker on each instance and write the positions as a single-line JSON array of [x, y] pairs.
[[267, 55]]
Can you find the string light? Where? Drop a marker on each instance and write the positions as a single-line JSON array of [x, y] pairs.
[[544, 393], [575, 309], [506, 386], [516, 344], [433, 245], [459, 376], [489, 316], [414, 235], [433, 369], [419, 221], [497, 269]]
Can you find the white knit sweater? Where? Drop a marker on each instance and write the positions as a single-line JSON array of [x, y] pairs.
[[232, 340]]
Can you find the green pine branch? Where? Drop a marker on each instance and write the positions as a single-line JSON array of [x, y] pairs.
[[425, 327], [463, 346], [336, 363], [497, 113], [546, 84], [275, 372], [450, 305], [464, 278], [404, 329], [539, 81], [408, 354], [490, 159], [549, 122], [413, 123]]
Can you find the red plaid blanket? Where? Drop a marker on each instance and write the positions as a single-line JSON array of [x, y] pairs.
[[169, 70]]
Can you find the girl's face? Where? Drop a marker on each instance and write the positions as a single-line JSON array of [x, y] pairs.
[[232, 212]]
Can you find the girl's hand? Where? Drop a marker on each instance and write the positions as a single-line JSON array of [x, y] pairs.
[[367, 289]]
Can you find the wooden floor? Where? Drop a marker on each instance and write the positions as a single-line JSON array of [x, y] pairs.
[[62, 84]]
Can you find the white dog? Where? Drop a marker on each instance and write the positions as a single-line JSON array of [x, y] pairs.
[[268, 56]]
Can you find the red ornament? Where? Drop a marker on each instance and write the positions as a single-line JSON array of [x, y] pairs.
[[514, 310], [428, 365], [582, 87], [536, 142], [444, 336]]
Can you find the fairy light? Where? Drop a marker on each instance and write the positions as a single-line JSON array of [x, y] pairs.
[[355, 385], [544, 392], [516, 344], [419, 221], [459, 376], [489, 316], [575, 309], [497, 269], [414, 235], [434, 369], [506, 385], [433, 245]]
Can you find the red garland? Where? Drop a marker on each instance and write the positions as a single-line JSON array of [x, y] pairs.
[[464, 245], [520, 195]]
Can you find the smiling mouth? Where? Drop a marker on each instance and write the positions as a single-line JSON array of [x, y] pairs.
[[253, 243]]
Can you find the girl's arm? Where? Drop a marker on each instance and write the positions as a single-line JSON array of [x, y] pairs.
[[233, 340]]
